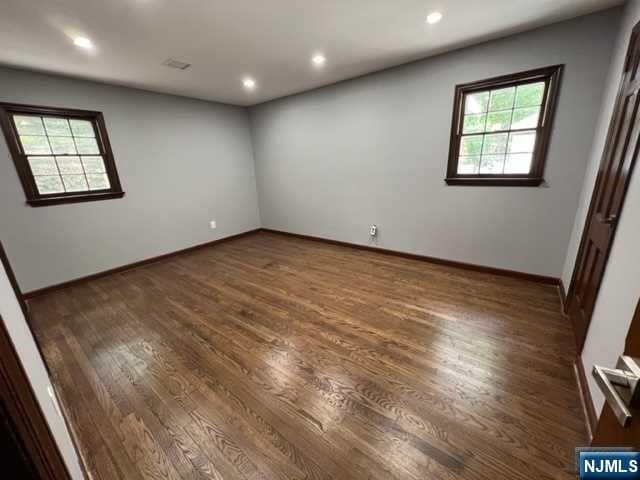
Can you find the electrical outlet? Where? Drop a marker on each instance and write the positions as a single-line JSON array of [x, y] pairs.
[[212, 224], [373, 231]]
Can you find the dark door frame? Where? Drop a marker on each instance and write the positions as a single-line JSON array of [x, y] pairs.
[[580, 340], [31, 427]]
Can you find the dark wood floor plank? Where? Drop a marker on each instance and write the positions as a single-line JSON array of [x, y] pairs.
[[163, 404], [98, 419], [321, 417], [214, 365], [313, 351], [272, 357]]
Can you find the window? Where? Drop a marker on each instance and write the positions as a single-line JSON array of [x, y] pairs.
[[61, 155], [501, 127]]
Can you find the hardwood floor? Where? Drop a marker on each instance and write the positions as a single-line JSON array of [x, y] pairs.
[[271, 357]]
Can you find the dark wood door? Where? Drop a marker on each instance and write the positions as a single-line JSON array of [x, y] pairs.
[[609, 431], [15, 456], [617, 163]]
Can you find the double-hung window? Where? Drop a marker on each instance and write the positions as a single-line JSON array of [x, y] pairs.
[[61, 155], [501, 129]]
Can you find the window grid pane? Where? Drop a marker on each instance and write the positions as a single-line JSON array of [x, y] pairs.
[[82, 128], [86, 145], [29, 125], [469, 164], [42, 165], [57, 127], [475, 123], [68, 174], [519, 163], [502, 99], [75, 183], [35, 144], [501, 153], [62, 145], [493, 164], [41, 135], [93, 164], [522, 141], [98, 181], [529, 95], [48, 184], [69, 165], [476, 102], [513, 112], [525, 117], [52, 146]]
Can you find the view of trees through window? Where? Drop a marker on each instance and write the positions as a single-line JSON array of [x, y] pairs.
[[499, 129], [62, 153]]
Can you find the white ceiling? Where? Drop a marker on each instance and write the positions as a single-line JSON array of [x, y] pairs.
[[271, 40]]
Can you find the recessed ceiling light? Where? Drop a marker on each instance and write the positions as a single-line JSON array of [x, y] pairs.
[[318, 60], [434, 17], [82, 42], [249, 83]]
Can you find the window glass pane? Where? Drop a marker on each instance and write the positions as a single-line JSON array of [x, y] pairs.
[[522, 142], [69, 165], [28, 125], [498, 121], [87, 145], [65, 152], [492, 164], [49, 184], [82, 128], [62, 145], [495, 143], [57, 126], [98, 181], [469, 164], [34, 145], [93, 164], [525, 117], [471, 145], [476, 102], [43, 166], [518, 163], [529, 95], [474, 123], [75, 183], [502, 99]]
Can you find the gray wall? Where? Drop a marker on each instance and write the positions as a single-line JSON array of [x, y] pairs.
[[620, 288], [374, 150], [329, 163], [182, 163]]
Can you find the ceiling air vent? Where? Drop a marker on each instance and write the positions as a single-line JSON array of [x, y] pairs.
[[176, 64]]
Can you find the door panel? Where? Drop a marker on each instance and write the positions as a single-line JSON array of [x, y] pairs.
[[620, 153]]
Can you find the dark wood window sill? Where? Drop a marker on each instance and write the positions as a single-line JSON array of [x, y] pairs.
[[495, 182], [84, 197]]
